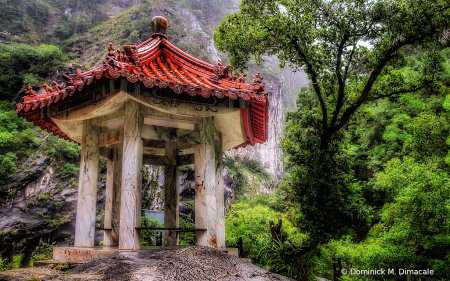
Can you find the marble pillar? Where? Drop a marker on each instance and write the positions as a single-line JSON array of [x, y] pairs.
[[130, 197], [220, 211], [87, 187], [112, 197], [107, 236], [117, 186], [205, 182], [171, 186]]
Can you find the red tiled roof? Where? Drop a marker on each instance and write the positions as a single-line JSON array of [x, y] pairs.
[[158, 63]]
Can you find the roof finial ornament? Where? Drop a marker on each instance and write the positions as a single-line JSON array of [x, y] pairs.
[[111, 50], [219, 71], [47, 88], [258, 79], [242, 78], [159, 27], [30, 92], [57, 86]]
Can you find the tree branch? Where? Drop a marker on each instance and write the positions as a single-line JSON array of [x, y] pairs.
[[340, 99], [374, 75], [312, 72], [400, 92]]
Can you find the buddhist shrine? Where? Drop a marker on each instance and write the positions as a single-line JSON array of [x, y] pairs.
[[151, 104]]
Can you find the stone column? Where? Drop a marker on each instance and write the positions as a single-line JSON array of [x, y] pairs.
[[117, 186], [205, 181], [87, 187], [130, 201], [107, 236], [171, 186], [112, 197], [220, 217]]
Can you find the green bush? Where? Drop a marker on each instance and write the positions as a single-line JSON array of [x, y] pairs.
[[250, 221], [17, 139], [20, 60], [148, 236], [186, 169], [45, 252], [187, 238]]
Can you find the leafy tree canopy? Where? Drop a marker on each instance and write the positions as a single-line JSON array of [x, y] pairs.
[[328, 39]]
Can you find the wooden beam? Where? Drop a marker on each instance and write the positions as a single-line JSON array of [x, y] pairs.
[[97, 121], [153, 143], [169, 122], [153, 151], [169, 134], [148, 112], [111, 137], [112, 124], [155, 160], [160, 160], [106, 152], [186, 159]]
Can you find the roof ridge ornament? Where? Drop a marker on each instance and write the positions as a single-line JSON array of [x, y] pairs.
[[219, 72], [159, 27]]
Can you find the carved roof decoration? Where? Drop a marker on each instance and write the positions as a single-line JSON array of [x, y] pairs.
[[157, 63]]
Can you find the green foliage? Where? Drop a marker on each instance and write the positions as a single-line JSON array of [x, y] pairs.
[[8, 265], [250, 220], [322, 182], [148, 236], [190, 204], [323, 38], [47, 196], [44, 252], [186, 169], [242, 170], [15, 14], [17, 139], [22, 62], [187, 238]]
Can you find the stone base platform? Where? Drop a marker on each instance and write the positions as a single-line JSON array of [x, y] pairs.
[[79, 255]]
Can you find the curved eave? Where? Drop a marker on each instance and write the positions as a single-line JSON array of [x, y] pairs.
[[161, 65]]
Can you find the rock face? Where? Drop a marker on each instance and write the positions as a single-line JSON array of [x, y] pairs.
[[191, 263], [282, 97], [174, 263]]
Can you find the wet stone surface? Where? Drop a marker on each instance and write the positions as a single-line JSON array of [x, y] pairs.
[[170, 264]]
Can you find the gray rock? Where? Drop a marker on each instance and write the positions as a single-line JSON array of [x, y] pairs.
[[173, 263]]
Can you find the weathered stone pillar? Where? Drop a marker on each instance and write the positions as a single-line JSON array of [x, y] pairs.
[[205, 181], [87, 187], [130, 201], [220, 217], [117, 186], [171, 186], [112, 198], [107, 236]]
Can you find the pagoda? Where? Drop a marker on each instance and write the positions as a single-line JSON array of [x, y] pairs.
[[151, 104]]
